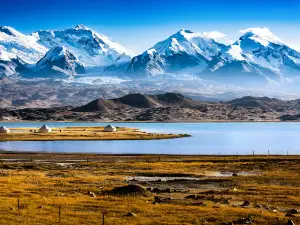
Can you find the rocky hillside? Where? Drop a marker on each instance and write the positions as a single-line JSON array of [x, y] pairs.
[[171, 107], [137, 100], [267, 103]]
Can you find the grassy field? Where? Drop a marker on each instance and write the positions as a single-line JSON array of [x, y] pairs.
[[81, 185], [83, 133]]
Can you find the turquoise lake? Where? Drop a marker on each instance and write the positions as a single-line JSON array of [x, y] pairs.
[[207, 139]]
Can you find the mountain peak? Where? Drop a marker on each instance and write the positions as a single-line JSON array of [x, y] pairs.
[[261, 35], [58, 50], [9, 31], [81, 27], [183, 33], [59, 59]]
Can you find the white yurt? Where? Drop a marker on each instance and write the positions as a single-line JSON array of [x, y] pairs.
[[45, 129], [4, 130], [110, 128]]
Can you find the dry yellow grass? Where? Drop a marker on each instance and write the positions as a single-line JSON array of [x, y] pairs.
[[83, 133], [44, 185]]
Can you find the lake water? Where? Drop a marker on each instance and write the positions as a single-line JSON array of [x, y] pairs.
[[207, 139]]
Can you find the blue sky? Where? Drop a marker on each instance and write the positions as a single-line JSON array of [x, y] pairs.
[[139, 24]]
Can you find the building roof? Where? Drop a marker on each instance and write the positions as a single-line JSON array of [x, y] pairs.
[[45, 127]]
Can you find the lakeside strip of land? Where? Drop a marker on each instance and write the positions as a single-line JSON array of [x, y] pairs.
[[148, 189], [83, 133]]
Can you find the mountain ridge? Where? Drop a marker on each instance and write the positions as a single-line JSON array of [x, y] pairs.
[[258, 56], [137, 100], [181, 50], [164, 107]]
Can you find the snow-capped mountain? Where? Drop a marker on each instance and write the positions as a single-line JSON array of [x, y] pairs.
[[258, 53], [60, 60], [90, 47], [182, 50], [16, 44], [8, 66]]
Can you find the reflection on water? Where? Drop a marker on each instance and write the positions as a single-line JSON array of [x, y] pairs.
[[207, 138]]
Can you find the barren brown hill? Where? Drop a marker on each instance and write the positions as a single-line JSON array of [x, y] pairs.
[[266, 103], [137, 100]]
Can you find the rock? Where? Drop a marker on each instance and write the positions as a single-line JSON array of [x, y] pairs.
[[131, 189], [258, 206], [149, 189], [274, 211], [92, 194], [156, 190], [158, 199], [226, 201], [292, 211], [199, 203], [190, 197], [40, 207], [245, 204], [290, 222], [244, 221], [131, 214], [168, 190], [234, 174], [290, 215]]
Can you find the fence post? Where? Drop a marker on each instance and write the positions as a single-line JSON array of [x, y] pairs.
[[18, 205], [59, 213], [103, 216]]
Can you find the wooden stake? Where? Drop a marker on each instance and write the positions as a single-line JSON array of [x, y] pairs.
[[18, 205], [59, 213]]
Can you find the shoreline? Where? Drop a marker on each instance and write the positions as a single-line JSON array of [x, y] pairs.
[[83, 134], [150, 121], [91, 154]]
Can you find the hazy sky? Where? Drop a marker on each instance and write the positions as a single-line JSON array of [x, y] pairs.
[[139, 24]]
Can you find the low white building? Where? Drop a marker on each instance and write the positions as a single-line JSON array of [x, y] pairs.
[[110, 128], [4, 130], [45, 129]]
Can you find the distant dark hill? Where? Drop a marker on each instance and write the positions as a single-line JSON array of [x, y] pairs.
[[100, 104], [262, 102], [175, 98], [266, 103], [138, 101]]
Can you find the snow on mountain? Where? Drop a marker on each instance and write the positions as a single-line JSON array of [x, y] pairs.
[[258, 52], [4, 55], [92, 48], [7, 66], [181, 50], [16, 44], [60, 60]]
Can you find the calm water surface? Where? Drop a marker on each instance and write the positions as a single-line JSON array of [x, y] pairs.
[[207, 138]]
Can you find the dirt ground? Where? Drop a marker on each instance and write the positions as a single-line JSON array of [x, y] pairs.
[[148, 189]]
